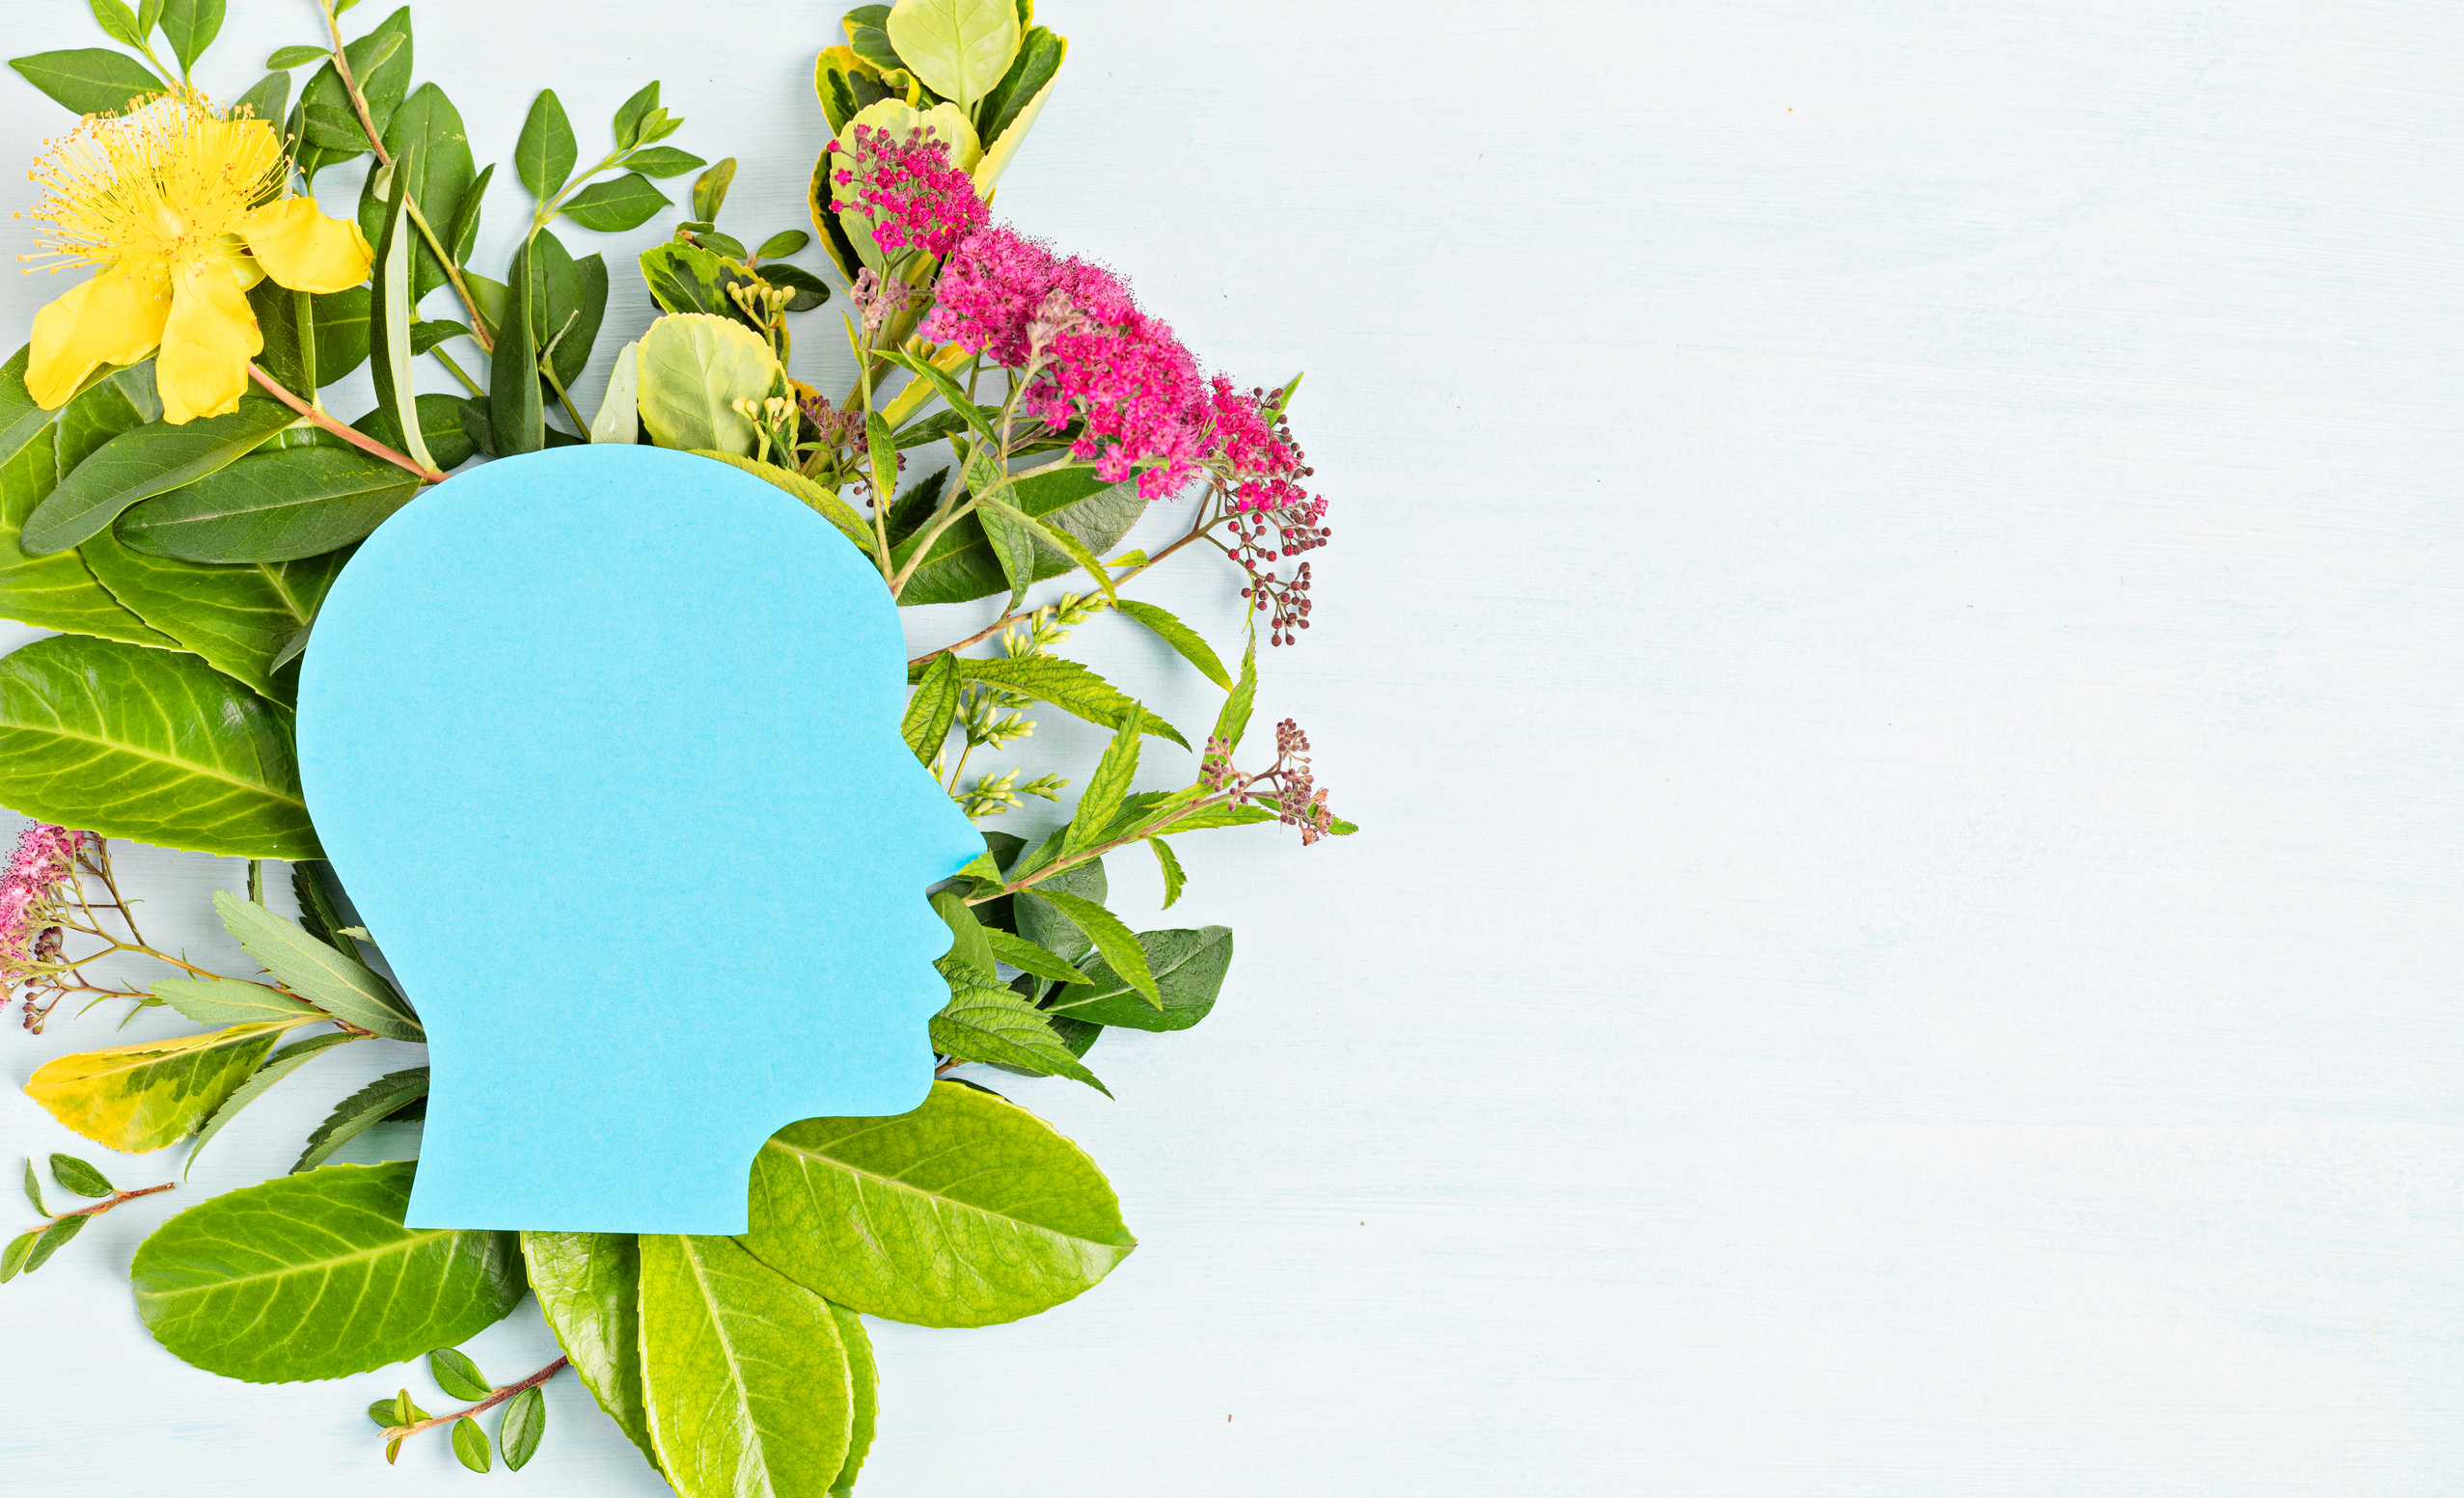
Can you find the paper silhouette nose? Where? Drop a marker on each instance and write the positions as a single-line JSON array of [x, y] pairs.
[[603, 741]]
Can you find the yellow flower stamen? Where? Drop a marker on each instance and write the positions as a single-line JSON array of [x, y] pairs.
[[155, 188]]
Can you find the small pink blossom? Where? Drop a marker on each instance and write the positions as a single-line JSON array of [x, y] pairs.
[[45, 856], [906, 189]]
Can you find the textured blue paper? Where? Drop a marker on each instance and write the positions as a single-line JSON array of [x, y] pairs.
[[603, 742]]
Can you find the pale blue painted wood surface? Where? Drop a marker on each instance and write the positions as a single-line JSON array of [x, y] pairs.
[[1891, 623]]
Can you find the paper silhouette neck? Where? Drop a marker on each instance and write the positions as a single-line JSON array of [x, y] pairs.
[[603, 743]]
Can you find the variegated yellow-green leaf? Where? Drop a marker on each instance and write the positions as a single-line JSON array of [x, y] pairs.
[[141, 1097], [959, 48]]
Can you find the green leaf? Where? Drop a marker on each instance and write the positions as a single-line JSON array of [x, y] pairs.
[[285, 59], [118, 21], [516, 419], [88, 80], [969, 1211], [150, 746], [289, 505], [685, 278], [525, 1421], [590, 1288], [431, 154], [457, 1376], [571, 299], [1013, 546], [1114, 940], [968, 947], [314, 1276], [58, 591], [947, 388], [1107, 786], [381, 61], [960, 48], [746, 1373], [612, 208], [360, 1113], [239, 618], [264, 99], [838, 512], [13, 1259], [318, 915], [1028, 957], [629, 115], [469, 1444], [466, 220], [141, 1097], [426, 334], [1180, 637], [693, 369], [864, 1393], [230, 1001], [338, 332], [1234, 719], [545, 154], [1188, 966], [664, 161], [389, 325], [1045, 925], [80, 1178], [140, 463], [960, 565], [710, 190], [336, 982], [34, 1190], [1008, 111], [1173, 877], [994, 1024], [1068, 686], [931, 708], [787, 241], [53, 1236], [283, 1063], [21, 421], [148, 17], [191, 26]]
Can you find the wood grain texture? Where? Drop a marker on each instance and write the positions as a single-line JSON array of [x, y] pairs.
[[1892, 625]]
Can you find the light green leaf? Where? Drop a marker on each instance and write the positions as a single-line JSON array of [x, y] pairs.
[[931, 708], [336, 982], [13, 1259], [1112, 939], [518, 1433], [1027, 957], [389, 325], [746, 1373], [34, 1190], [864, 1393], [1173, 877], [285, 506], [969, 1211], [238, 617], [994, 1024], [314, 1276], [1068, 686], [140, 463], [1234, 719], [619, 418], [230, 1001], [612, 208], [543, 155], [57, 591], [1107, 786], [457, 1376], [118, 21], [141, 1097], [88, 80], [694, 368], [469, 1444], [1192, 647], [283, 1063], [590, 1288], [357, 1114], [686, 278], [75, 1176], [53, 1236], [150, 746], [710, 190], [838, 512], [959, 48], [1188, 966], [960, 565], [968, 947], [283, 58]]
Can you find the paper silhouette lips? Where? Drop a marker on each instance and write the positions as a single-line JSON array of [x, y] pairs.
[[603, 742]]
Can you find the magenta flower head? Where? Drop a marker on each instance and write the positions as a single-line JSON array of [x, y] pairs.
[[44, 855], [906, 189]]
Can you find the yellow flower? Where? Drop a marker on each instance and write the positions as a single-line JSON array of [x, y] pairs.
[[183, 212]]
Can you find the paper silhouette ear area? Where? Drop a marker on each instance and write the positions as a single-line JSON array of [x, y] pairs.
[[603, 741]]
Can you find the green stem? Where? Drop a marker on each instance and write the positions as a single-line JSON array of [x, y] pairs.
[[468, 383], [255, 881]]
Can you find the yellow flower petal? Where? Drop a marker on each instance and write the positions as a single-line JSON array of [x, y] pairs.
[[306, 251], [206, 343], [113, 319]]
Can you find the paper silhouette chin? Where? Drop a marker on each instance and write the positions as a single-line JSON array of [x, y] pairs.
[[603, 742]]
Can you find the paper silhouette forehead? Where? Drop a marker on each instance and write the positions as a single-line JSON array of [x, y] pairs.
[[603, 743]]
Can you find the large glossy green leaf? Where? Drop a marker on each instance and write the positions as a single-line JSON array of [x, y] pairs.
[[997, 1025], [148, 745], [1187, 966], [969, 1211], [141, 1097], [140, 463], [962, 567], [238, 617], [57, 591], [426, 139], [864, 1380], [334, 980], [285, 506], [745, 1373], [693, 369], [88, 80], [590, 1288], [314, 1276], [960, 48]]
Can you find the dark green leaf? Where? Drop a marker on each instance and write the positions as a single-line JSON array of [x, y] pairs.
[[440, 424], [1114, 940], [574, 294], [34, 1190], [76, 1176], [517, 421], [469, 1444], [545, 154], [88, 80], [1040, 54], [314, 1276], [961, 566], [810, 290], [432, 154], [21, 421], [1188, 967], [931, 709], [191, 26], [143, 463], [148, 745], [285, 57], [338, 331], [787, 241], [590, 1288], [280, 507], [664, 161], [333, 980], [525, 1420], [361, 1111], [466, 218], [612, 208], [628, 132], [265, 99], [1192, 647], [118, 21], [1174, 878], [1066, 685], [319, 914], [427, 333], [1048, 534], [53, 1236], [281, 1063], [1041, 923], [917, 505], [710, 190], [457, 1376], [13, 1259]]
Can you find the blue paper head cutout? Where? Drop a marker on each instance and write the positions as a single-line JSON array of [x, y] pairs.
[[603, 742]]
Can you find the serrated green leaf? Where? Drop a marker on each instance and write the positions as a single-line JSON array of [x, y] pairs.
[[230, 1001], [141, 1097], [1234, 719], [960, 565], [335, 981], [969, 1211], [545, 154], [931, 708], [1041, 923], [51, 1241], [360, 1113], [457, 1376], [314, 1276], [283, 1063], [590, 1288], [994, 1024], [746, 1373], [88, 80], [1192, 646], [1173, 877], [1013, 546], [1028, 957], [1104, 789], [1068, 686], [1188, 966], [612, 208], [525, 1421], [1114, 940]]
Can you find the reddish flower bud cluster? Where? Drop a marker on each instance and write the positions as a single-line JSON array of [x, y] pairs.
[[907, 188]]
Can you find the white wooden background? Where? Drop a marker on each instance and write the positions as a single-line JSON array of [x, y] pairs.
[[1892, 628]]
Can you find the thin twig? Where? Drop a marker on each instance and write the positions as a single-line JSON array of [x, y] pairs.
[[357, 438], [115, 1199], [359, 101], [1203, 526], [403, 1432]]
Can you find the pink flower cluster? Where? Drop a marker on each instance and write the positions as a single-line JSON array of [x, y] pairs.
[[907, 188], [1264, 463], [45, 856]]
